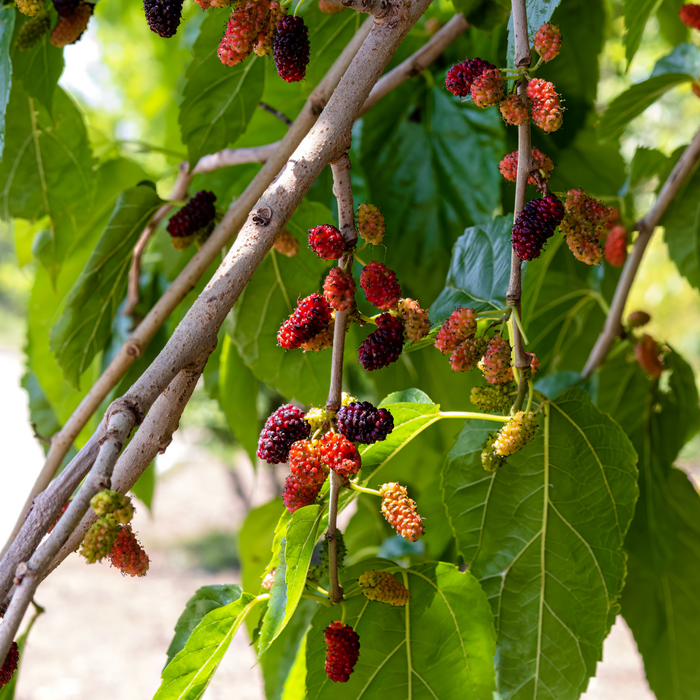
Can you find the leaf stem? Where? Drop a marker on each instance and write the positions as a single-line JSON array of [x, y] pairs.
[[362, 489], [475, 416], [516, 316], [531, 391], [319, 599]]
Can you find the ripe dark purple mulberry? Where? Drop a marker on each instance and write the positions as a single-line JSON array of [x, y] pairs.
[[198, 213], [291, 49], [10, 665], [384, 346], [282, 429], [461, 76], [362, 422], [65, 8], [163, 16], [342, 651], [327, 242], [534, 225], [309, 318]]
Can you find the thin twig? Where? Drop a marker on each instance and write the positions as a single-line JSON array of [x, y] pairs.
[[646, 227], [275, 113]]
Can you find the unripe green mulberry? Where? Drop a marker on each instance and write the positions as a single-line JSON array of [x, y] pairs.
[[313, 575], [316, 418], [30, 8], [416, 324], [340, 548], [489, 459], [32, 30], [515, 434], [492, 399], [100, 538], [119, 505], [384, 588], [370, 223]]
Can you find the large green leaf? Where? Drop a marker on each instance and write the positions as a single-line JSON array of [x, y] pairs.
[[670, 24], [637, 14], [484, 14], [84, 328], [7, 24], [218, 100], [439, 646], [544, 536]]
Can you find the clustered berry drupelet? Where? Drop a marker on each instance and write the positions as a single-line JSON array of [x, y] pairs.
[[363, 423], [467, 354], [616, 246], [306, 463], [492, 399], [269, 580], [327, 242], [383, 587], [297, 495], [384, 346], [690, 15], [509, 166], [457, 328], [491, 461], [31, 8], [416, 323], [341, 550], [649, 356], [266, 36], [380, 285], [585, 226], [547, 42], [535, 225], [310, 317], [206, 4], [546, 105], [196, 215], [513, 110], [10, 664], [282, 429], [247, 22], [99, 539], [515, 434], [128, 555], [488, 89], [461, 76], [340, 454], [400, 511], [495, 365], [113, 503], [32, 30], [342, 651], [322, 340], [291, 49], [70, 28], [370, 223], [163, 16]]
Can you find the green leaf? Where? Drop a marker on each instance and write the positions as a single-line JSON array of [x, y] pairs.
[[84, 328], [484, 14], [187, 676], [685, 58], [265, 304], [631, 103], [637, 14], [646, 164], [406, 396], [479, 270], [145, 486], [672, 29], [544, 536], [238, 396], [439, 646], [206, 599], [7, 24], [538, 12], [218, 100]]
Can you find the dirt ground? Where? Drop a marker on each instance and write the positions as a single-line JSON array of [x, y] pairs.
[[105, 635]]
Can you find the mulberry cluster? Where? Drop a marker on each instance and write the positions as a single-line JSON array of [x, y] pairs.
[[339, 289], [380, 285], [163, 16], [10, 664], [99, 539], [247, 22], [342, 651], [509, 166], [306, 463], [513, 110], [534, 225], [327, 242], [384, 346], [461, 76], [341, 550], [400, 511], [547, 42], [296, 495], [32, 31], [322, 340], [689, 14], [491, 461], [282, 429], [69, 29], [515, 434], [286, 244], [585, 226], [370, 223], [416, 323], [384, 588], [338, 453], [495, 365], [363, 423], [546, 105], [31, 8], [457, 328], [196, 215], [649, 356], [266, 37], [291, 49], [113, 503], [492, 399], [128, 555], [310, 317], [488, 89], [616, 246], [467, 354]]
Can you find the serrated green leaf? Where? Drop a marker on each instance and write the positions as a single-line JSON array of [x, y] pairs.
[[637, 14], [405, 651], [84, 328], [631, 103], [479, 270], [544, 536], [538, 12], [187, 676], [218, 100], [7, 25]]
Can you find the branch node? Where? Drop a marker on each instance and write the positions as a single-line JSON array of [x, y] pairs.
[[132, 349], [262, 216]]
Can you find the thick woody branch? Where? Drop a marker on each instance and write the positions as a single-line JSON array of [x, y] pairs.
[[378, 9], [646, 227]]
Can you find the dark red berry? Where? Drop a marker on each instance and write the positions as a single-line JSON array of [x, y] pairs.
[[65, 8], [384, 346], [10, 666], [282, 429], [163, 16], [327, 242], [340, 454], [534, 225], [461, 76], [342, 651], [194, 216], [309, 318], [291, 49], [362, 422], [380, 285], [297, 495]]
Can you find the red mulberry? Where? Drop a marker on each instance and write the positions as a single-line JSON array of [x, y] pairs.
[[370, 223], [198, 213], [384, 346], [689, 14], [547, 42], [69, 29], [339, 289], [467, 355], [515, 434], [309, 318], [585, 226], [305, 463], [534, 225], [363, 423], [400, 511], [616, 246], [342, 651], [32, 31], [163, 16], [546, 105], [282, 429], [514, 111], [649, 357], [384, 588], [286, 244], [296, 495], [243, 27], [327, 242], [509, 166], [416, 323], [291, 49], [99, 539], [492, 399], [488, 88], [461, 76], [128, 555], [380, 285], [10, 664], [322, 340], [340, 454], [266, 36], [495, 364], [459, 326]]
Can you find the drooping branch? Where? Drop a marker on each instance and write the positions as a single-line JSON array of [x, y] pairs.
[[646, 227]]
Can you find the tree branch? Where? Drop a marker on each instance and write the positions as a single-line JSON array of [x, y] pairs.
[[379, 9], [275, 113], [645, 226]]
